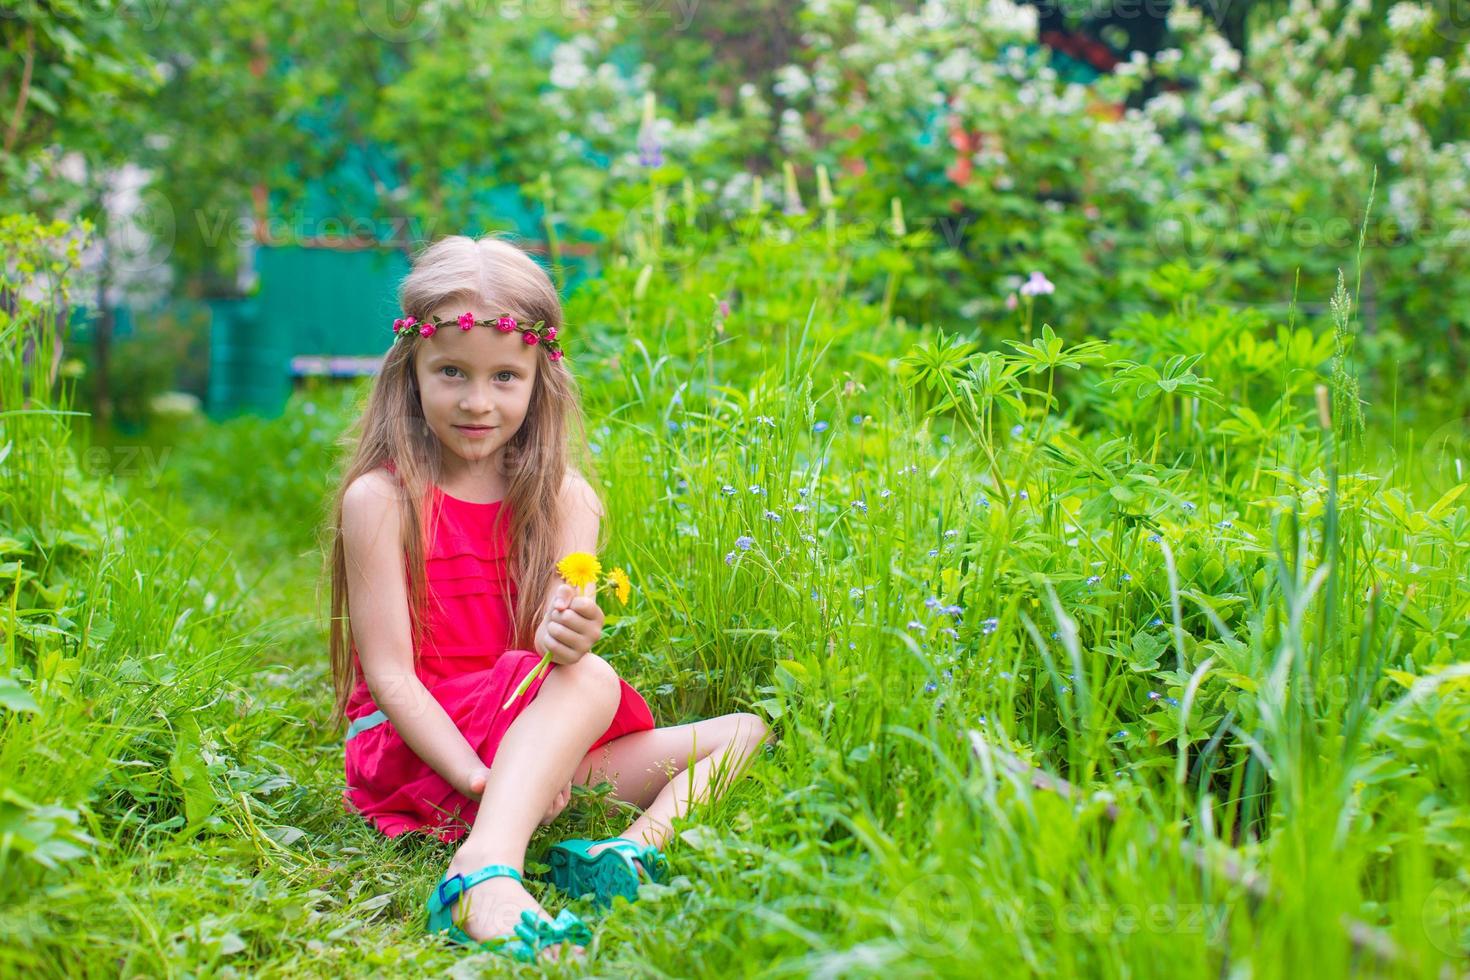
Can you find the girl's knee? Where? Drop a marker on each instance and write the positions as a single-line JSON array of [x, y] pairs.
[[750, 728], [596, 684]]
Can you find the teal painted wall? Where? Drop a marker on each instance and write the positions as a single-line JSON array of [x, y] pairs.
[[316, 301]]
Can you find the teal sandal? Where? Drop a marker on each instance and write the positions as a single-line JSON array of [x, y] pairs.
[[607, 873], [531, 935]]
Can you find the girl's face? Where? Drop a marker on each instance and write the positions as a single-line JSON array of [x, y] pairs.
[[474, 386]]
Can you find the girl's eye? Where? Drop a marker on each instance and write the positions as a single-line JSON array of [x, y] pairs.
[[506, 376]]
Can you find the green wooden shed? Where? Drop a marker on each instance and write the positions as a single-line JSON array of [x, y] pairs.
[[324, 309]]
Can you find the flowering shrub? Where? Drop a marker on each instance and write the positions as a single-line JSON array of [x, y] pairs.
[[952, 111], [1264, 172]]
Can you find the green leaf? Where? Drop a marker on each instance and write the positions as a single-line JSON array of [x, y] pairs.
[[797, 671], [191, 775], [1442, 505], [44, 101], [773, 707], [48, 835], [14, 697]]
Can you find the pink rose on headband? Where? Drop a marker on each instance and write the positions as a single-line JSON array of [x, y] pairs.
[[427, 330], [550, 333], [466, 320], [531, 338], [505, 324], [554, 355]]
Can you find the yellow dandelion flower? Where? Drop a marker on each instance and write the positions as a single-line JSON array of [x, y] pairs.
[[579, 569], [618, 581]]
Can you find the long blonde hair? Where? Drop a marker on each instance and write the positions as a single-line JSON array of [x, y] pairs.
[[496, 275]]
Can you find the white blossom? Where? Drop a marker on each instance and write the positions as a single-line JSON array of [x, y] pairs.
[[1408, 19]]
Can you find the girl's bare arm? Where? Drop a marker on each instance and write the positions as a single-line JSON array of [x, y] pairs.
[[377, 604], [569, 630]]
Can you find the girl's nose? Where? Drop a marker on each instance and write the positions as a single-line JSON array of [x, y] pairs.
[[476, 402]]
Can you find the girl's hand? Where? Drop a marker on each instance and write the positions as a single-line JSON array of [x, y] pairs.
[[558, 804], [475, 786], [571, 625]]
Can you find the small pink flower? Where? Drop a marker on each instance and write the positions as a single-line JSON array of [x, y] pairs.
[[397, 325], [505, 324], [554, 355], [531, 338], [1037, 285], [466, 320], [427, 330], [1011, 301], [550, 333]]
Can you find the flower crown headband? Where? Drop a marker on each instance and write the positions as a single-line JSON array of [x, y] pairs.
[[540, 333]]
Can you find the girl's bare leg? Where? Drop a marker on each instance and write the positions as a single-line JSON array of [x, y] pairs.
[[666, 769], [572, 708]]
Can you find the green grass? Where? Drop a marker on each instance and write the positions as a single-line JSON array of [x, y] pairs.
[[1263, 713]]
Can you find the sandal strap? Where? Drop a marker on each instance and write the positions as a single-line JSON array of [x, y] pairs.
[[628, 850], [449, 890], [650, 857], [538, 933]]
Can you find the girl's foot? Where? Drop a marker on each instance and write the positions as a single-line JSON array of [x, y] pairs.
[[596, 849], [493, 907], [605, 869]]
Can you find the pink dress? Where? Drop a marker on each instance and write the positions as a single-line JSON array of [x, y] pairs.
[[465, 664]]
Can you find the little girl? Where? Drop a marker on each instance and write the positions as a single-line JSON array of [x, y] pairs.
[[453, 512]]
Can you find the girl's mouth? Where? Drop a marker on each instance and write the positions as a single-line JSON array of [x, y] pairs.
[[475, 431]]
